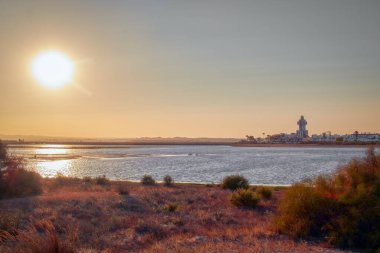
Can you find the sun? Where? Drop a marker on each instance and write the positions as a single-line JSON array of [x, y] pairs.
[[52, 69]]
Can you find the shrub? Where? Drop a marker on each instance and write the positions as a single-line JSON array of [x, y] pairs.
[[21, 182], [148, 180], [102, 180], [343, 206], [234, 182], [62, 180], [279, 188], [178, 222], [303, 212], [264, 192], [123, 190], [156, 231], [244, 198], [168, 180], [3, 154], [15, 181], [115, 222], [171, 207], [87, 180]]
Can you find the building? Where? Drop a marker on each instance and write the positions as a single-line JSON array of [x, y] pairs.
[[302, 132], [361, 137], [325, 137], [302, 136], [348, 138]]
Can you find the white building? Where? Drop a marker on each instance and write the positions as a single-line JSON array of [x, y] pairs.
[[302, 131], [355, 137], [362, 137], [325, 137]]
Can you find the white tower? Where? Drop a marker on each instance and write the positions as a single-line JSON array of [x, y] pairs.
[[302, 132]]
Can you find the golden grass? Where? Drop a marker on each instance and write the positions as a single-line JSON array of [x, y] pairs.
[[86, 217]]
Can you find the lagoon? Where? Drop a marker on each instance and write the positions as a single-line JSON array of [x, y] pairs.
[[187, 163]]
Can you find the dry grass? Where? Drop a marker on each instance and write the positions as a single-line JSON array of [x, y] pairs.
[[343, 207], [78, 216]]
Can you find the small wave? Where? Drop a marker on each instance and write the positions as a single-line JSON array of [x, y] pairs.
[[114, 158], [53, 157], [172, 155], [106, 157]]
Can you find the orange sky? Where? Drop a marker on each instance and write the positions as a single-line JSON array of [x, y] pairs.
[[191, 69]]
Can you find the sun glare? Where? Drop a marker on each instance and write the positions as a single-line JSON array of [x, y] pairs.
[[52, 69]]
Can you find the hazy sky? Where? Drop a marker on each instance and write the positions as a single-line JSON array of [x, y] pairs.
[[192, 68]]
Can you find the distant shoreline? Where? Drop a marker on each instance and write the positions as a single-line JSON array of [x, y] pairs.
[[304, 145], [100, 145]]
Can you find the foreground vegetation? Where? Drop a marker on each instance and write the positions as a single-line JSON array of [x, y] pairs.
[[74, 215], [15, 180], [66, 214], [343, 207]]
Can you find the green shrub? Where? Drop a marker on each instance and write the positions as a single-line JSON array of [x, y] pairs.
[[303, 212], [168, 180], [344, 206], [235, 182], [357, 225], [148, 180], [244, 198], [102, 180], [264, 192]]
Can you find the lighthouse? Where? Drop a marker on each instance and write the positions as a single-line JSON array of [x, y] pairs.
[[302, 132]]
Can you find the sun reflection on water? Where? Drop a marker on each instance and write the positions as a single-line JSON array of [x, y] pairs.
[[52, 159], [52, 150], [52, 168]]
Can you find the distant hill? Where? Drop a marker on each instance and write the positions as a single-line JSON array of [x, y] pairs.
[[141, 140]]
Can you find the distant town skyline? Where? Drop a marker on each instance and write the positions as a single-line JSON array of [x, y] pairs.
[[193, 69], [301, 133]]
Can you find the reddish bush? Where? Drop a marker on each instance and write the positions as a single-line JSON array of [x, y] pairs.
[[15, 181], [343, 206]]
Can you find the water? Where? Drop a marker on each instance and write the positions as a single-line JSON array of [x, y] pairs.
[[201, 164]]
